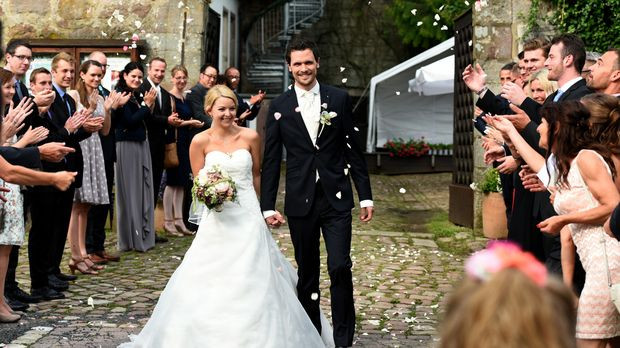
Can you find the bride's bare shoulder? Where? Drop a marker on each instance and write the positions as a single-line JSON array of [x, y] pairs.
[[249, 134], [202, 137]]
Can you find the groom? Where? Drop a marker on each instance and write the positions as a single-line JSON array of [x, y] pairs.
[[314, 123]]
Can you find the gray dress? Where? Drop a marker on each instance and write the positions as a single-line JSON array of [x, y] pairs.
[[94, 188], [134, 196]]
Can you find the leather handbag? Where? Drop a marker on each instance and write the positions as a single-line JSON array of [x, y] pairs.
[[171, 158]]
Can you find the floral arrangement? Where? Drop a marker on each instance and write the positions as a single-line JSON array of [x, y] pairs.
[[410, 148], [213, 187], [502, 255], [489, 182]]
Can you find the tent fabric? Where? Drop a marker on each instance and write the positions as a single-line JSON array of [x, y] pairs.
[[435, 78], [394, 113]]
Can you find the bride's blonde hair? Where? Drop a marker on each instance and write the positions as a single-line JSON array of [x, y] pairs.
[[218, 91]]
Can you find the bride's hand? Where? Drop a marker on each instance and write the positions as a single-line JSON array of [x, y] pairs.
[[275, 220]]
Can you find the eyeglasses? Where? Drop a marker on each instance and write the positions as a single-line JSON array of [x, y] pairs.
[[22, 58], [210, 76]]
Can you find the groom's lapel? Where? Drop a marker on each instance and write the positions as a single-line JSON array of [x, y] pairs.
[[324, 101], [293, 106]]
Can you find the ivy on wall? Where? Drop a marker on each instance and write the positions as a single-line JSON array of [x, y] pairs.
[[597, 22]]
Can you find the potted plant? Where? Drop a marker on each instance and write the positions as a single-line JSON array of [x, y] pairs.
[[494, 223]]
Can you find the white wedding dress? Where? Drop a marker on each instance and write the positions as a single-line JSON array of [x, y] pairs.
[[234, 287]]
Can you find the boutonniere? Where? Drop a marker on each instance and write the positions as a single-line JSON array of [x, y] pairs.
[[326, 118]]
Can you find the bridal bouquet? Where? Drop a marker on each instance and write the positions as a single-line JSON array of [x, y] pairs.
[[213, 187]]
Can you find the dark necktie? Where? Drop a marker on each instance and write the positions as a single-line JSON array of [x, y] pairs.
[[18, 90], [65, 98]]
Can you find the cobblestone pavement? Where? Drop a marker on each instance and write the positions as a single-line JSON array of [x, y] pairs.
[[400, 278]]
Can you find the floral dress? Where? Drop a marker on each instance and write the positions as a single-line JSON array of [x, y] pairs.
[[12, 227]]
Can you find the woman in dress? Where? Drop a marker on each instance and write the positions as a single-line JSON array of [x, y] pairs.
[[234, 287], [11, 212], [584, 198], [94, 182], [134, 182], [179, 177]]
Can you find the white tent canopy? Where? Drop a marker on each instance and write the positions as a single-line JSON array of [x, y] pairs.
[[393, 113]]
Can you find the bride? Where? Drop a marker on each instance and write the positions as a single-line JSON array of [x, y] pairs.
[[234, 287]]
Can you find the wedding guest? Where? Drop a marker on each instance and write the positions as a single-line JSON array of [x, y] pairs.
[[98, 214], [196, 95], [10, 233], [605, 74], [591, 58], [541, 87], [178, 178], [505, 73], [158, 124], [94, 182], [18, 60], [584, 198], [50, 208], [605, 124], [245, 112], [508, 300], [535, 52], [134, 181]]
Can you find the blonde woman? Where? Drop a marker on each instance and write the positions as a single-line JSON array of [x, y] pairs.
[[541, 87]]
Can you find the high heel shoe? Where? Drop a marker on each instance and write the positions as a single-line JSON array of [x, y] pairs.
[[9, 318], [180, 226], [171, 229], [81, 266], [92, 265]]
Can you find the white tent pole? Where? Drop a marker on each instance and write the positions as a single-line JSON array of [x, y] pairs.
[[371, 136]]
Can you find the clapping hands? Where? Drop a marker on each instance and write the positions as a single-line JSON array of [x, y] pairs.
[[13, 121], [149, 98], [76, 120]]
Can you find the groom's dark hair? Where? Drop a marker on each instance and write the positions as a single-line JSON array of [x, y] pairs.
[[300, 45]]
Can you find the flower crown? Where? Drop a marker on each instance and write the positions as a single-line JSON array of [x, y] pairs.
[[502, 255]]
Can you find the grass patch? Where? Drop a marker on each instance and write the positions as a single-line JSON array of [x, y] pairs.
[[441, 227]]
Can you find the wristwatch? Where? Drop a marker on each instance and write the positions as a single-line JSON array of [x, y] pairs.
[[482, 90]]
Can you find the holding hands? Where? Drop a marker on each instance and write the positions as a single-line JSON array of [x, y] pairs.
[[275, 221]]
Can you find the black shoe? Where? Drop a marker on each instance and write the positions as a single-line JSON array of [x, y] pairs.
[[47, 293], [21, 296], [57, 284], [66, 277], [159, 239], [15, 304]]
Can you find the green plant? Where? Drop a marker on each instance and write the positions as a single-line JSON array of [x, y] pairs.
[[596, 22], [410, 148], [440, 146], [489, 182]]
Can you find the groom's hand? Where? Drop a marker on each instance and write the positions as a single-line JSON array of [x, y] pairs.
[[366, 214], [275, 220]]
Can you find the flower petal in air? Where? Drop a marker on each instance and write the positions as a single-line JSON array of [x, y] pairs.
[[339, 195], [277, 115]]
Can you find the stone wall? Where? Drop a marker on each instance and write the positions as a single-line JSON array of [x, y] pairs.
[[358, 37], [158, 23]]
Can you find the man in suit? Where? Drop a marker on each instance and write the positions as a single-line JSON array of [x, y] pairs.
[[319, 157], [18, 59], [157, 125], [605, 73], [196, 95], [50, 208], [98, 214], [565, 61], [245, 111]]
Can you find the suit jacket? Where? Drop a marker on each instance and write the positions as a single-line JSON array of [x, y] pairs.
[[196, 99], [494, 104], [335, 155], [243, 107], [157, 124], [27, 157], [574, 92], [54, 120]]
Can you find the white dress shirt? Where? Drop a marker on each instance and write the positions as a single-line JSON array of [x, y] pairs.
[[310, 108]]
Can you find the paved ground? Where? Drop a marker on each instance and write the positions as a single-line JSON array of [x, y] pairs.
[[400, 277]]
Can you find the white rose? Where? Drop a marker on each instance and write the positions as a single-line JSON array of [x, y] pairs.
[[222, 187], [332, 114], [202, 177]]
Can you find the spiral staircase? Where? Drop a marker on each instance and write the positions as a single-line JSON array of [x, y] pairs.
[[268, 38]]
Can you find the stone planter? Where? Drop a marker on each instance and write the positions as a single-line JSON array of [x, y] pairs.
[[494, 225]]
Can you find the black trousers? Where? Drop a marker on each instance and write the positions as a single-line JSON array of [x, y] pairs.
[[305, 234], [50, 213], [98, 215], [157, 166]]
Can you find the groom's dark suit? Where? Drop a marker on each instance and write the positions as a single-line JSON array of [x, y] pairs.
[[312, 205]]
